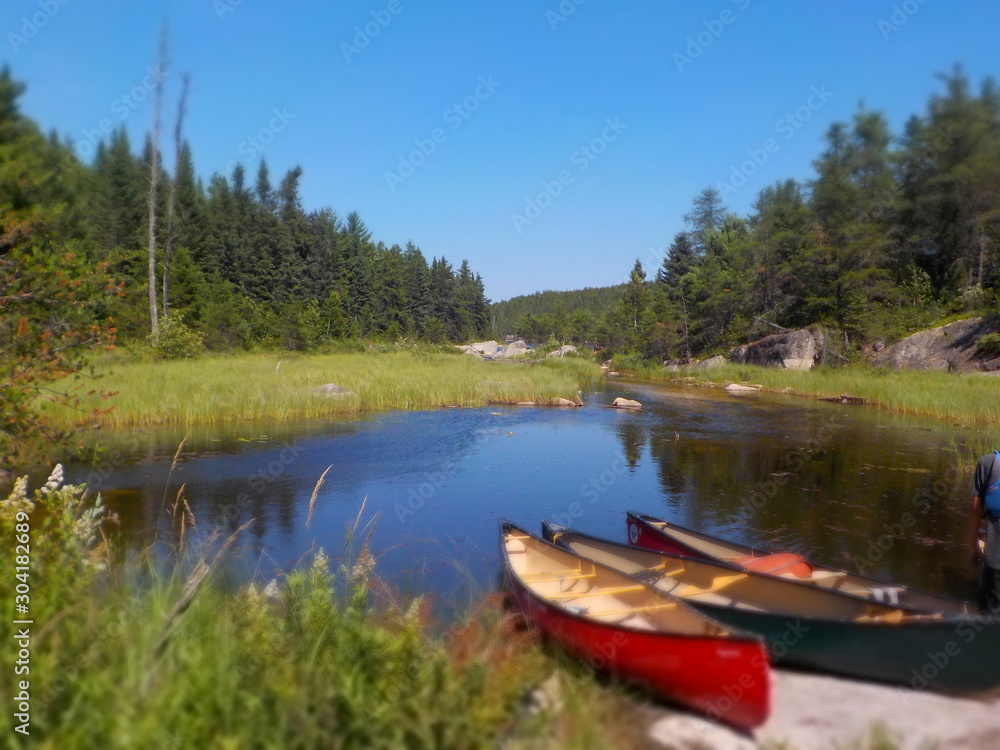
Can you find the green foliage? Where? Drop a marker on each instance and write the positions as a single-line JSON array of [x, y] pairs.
[[583, 307], [990, 344], [138, 656], [177, 340], [889, 236], [56, 302]]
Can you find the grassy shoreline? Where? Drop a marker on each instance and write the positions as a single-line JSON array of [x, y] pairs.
[[279, 387], [969, 398]]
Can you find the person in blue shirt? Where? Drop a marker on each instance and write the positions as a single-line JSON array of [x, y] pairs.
[[986, 504]]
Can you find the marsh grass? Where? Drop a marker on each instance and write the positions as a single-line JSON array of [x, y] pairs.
[[969, 399], [266, 387]]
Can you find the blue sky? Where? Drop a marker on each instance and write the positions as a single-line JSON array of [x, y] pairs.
[[536, 82]]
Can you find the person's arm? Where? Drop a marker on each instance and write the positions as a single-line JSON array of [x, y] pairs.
[[976, 517]]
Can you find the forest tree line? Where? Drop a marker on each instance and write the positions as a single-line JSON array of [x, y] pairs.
[[238, 261], [893, 233]]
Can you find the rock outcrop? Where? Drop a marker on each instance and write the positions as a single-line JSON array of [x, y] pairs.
[[795, 350], [481, 348], [950, 348], [513, 349]]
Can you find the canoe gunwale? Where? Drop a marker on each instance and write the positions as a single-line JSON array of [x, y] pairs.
[[723, 631], [956, 607]]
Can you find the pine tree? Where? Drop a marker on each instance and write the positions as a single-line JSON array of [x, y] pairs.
[[418, 287], [706, 215], [676, 282]]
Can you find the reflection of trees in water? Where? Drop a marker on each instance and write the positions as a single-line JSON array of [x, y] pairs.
[[633, 435], [212, 505], [828, 490], [273, 484]]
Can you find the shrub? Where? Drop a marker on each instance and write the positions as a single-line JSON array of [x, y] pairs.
[[990, 344], [178, 340]]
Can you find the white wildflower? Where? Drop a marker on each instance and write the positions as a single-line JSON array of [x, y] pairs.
[[18, 500], [55, 480]]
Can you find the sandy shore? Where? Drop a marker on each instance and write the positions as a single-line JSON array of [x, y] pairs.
[[813, 712]]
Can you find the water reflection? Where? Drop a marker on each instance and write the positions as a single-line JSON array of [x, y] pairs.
[[826, 480]]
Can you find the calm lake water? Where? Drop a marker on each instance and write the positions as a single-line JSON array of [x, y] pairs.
[[826, 480]]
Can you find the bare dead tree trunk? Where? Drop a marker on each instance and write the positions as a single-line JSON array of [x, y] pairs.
[[687, 336], [981, 243], [168, 250], [154, 179]]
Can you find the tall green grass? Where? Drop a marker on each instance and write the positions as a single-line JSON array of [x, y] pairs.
[[970, 399], [143, 652], [274, 387]]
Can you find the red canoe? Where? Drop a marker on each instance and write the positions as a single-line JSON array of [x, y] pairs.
[[636, 632]]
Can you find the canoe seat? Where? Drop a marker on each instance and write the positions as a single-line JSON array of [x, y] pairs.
[[718, 583], [610, 591], [826, 575], [894, 617], [575, 575], [780, 563]]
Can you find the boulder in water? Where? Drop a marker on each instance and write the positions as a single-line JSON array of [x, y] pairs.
[[625, 403]]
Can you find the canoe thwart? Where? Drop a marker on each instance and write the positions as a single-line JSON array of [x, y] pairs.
[[719, 582]]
